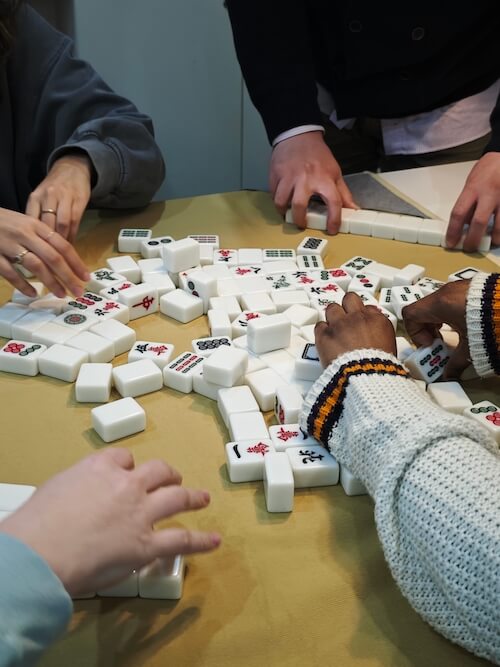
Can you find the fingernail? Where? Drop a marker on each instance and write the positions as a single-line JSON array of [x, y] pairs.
[[206, 497], [215, 539]]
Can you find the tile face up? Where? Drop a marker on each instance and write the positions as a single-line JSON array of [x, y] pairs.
[[151, 248], [487, 414], [159, 353], [428, 363], [179, 373], [245, 459], [313, 466], [21, 357], [118, 419], [290, 435], [130, 240], [141, 300], [207, 346]]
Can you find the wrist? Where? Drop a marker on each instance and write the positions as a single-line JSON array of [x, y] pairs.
[[78, 159]]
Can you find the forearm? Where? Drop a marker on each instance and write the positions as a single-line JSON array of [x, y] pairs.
[[426, 469], [483, 323], [34, 607]]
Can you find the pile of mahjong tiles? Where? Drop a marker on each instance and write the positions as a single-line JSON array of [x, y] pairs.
[[261, 307]]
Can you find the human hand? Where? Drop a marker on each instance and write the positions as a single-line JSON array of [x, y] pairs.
[[94, 523], [352, 326], [64, 194], [478, 201], [425, 317], [301, 167], [43, 252]]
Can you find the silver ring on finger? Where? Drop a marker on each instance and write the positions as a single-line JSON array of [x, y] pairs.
[[18, 259]]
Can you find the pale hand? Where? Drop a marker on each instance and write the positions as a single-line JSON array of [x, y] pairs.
[[94, 523], [424, 318], [66, 190], [352, 326], [478, 201], [50, 257], [301, 167]]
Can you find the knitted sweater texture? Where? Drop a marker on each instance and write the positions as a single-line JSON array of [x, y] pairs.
[[435, 480]]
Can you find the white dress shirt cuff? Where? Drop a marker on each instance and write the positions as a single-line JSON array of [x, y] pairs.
[[301, 129]]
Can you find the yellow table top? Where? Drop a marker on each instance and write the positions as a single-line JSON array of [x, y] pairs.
[[301, 589]]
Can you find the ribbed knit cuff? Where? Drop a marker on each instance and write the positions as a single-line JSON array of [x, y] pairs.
[[483, 323], [324, 403]]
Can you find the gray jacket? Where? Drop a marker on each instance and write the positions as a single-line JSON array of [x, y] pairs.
[[52, 103]]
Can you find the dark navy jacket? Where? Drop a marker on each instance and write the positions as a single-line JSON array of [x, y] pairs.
[[50, 103], [378, 59]]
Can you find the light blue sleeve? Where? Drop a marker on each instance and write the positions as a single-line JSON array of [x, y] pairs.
[[34, 606]]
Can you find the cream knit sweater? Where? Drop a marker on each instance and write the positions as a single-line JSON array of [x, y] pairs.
[[435, 481]]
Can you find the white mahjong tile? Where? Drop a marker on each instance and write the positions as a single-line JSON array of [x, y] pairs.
[[312, 245], [21, 357], [281, 282], [428, 363], [463, 274], [289, 435], [450, 396], [151, 248], [228, 256], [250, 256], [310, 262], [246, 270], [126, 266], [159, 353], [428, 285], [240, 324], [336, 275], [207, 346], [365, 282], [313, 466], [487, 414], [179, 373], [103, 278], [277, 254], [130, 240], [356, 265], [278, 482], [245, 459]]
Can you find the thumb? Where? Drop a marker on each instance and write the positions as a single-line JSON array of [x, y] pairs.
[[459, 361]]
